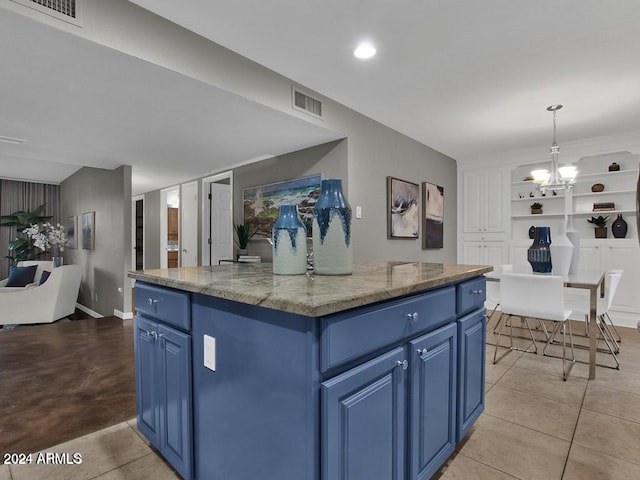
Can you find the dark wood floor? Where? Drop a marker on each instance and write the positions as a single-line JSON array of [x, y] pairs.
[[62, 381]]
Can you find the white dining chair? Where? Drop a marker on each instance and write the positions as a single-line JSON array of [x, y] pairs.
[[540, 297], [493, 288]]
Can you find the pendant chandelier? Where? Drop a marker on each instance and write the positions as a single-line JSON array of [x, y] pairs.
[[559, 178]]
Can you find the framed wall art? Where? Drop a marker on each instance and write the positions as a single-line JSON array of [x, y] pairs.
[[433, 221], [72, 231], [261, 203], [88, 230], [403, 216]]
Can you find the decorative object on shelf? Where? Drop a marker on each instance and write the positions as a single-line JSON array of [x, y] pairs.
[[604, 207], [243, 235], [403, 217], [536, 208], [574, 238], [597, 187], [531, 195], [619, 227], [332, 253], [433, 221], [88, 230], [521, 195], [261, 203], [561, 252], [600, 223], [554, 192], [528, 178], [614, 167], [559, 178], [289, 243], [532, 232], [538, 254]]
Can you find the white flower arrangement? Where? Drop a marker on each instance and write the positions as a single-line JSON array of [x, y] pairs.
[[46, 235]]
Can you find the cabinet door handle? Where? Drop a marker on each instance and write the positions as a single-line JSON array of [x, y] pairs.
[[476, 292], [152, 301], [423, 353], [413, 317], [404, 364]]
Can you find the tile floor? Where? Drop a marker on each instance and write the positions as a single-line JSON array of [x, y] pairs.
[[535, 426]]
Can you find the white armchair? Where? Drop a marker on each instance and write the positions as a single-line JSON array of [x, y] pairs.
[[46, 303]]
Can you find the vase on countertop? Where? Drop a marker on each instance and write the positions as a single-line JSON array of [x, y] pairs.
[[619, 227], [332, 253], [561, 251], [289, 243], [538, 254]]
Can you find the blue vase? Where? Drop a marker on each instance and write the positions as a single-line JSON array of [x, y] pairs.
[[619, 227], [289, 243], [332, 254], [539, 253]]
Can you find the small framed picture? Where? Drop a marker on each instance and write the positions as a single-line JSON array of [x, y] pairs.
[[403, 216], [72, 231], [433, 221], [88, 230]]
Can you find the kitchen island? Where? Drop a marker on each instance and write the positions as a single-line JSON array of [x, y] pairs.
[[242, 374]]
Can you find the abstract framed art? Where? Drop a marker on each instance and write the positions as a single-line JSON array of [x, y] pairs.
[[403, 216], [433, 220], [72, 231], [88, 230]]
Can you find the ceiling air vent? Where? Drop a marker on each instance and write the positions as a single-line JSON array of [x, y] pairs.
[[67, 10], [307, 104]]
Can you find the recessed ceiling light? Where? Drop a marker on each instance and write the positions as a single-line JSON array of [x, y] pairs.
[[364, 50], [12, 140]]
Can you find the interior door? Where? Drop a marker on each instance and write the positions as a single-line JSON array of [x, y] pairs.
[[189, 225], [138, 241], [221, 232]]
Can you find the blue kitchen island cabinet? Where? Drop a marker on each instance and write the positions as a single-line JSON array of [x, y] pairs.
[[326, 378]]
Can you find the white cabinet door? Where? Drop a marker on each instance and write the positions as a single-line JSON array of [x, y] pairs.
[[472, 191], [590, 257], [496, 253], [485, 253], [472, 253], [495, 201], [626, 258]]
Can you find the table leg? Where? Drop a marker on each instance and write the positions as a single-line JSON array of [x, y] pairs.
[[593, 345]]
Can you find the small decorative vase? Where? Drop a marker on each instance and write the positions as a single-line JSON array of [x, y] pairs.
[[614, 167], [574, 238], [56, 256], [532, 232], [289, 243], [561, 251], [600, 232], [539, 255], [332, 254], [619, 227]]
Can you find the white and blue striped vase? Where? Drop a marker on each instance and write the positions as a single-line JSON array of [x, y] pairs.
[[289, 243], [332, 254]]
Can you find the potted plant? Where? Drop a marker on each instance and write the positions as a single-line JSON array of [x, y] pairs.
[[536, 208], [600, 223], [23, 247], [243, 235]]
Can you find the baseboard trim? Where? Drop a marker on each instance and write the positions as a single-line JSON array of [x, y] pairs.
[[123, 315], [88, 311]]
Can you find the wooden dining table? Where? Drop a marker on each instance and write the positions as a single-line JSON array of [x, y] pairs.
[[591, 280]]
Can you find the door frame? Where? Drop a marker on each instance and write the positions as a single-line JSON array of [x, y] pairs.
[[133, 230], [205, 249]]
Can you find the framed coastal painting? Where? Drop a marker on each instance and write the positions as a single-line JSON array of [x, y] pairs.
[[403, 216], [72, 231], [433, 221], [88, 230], [261, 203]]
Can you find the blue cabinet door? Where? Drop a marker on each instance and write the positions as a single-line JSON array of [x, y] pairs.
[[363, 426], [432, 401], [174, 349], [471, 372], [147, 405]]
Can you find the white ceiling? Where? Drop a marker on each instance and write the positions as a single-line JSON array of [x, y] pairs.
[[94, 106], [467, 78]]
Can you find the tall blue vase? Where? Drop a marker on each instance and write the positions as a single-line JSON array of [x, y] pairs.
[[539, 253], [332, 254], [289, 243]]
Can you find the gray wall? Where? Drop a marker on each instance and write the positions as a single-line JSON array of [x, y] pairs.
[[152, 230], [105, 286]]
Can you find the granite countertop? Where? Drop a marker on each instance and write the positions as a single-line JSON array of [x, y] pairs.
[[310, 295]]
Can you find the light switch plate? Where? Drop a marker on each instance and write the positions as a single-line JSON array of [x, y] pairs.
[[358, 212], [210, 352]]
